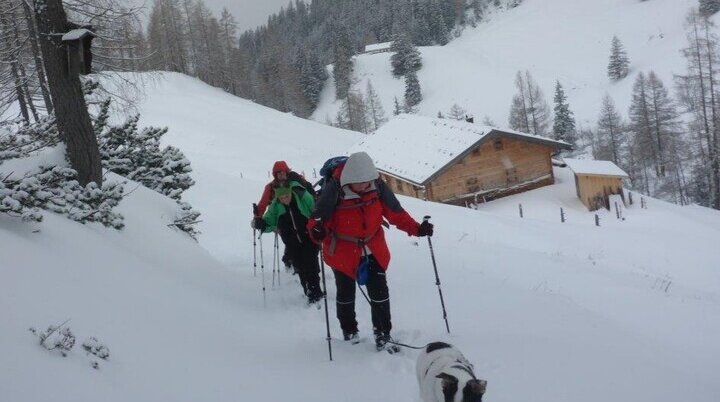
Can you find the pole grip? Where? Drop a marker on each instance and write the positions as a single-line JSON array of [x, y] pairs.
[[255, 209]]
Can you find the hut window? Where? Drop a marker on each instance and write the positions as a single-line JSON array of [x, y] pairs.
[[399, 184], [498, 145]]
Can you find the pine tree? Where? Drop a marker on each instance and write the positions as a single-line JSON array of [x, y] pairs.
[[375, 111], [71, 111], [396, 107], [456, 112], [699, 97], [529, 112], [413, 94], [618, 67], [709, 7], [406, 57], [342, 62], [610, 133], [564, 124]]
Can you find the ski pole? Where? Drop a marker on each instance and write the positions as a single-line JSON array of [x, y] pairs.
[[262, 269], [437, 278], [255, 211], [277, 257], [327, 317], [274, 259]]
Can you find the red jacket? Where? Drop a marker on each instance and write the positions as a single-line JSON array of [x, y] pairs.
[[350, 220], [267, 195]]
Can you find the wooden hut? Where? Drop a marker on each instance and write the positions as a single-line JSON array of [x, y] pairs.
[[595, 181], [376, 48], [458, 162]]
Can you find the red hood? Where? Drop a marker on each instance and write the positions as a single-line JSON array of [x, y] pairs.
[[280, 166]]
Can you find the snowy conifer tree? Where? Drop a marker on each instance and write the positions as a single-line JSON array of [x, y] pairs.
[[342, 62], [610, 133], [396, 107], [564, 124], [406, 57], [529, 112], [709, 7], [413, 94], [618, 67], [374, 108], [456, 112]]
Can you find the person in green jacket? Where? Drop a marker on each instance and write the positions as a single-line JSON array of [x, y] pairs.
[[288, 213]]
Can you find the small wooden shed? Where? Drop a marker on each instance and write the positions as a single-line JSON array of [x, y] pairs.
[[596, 181], [457, 162]]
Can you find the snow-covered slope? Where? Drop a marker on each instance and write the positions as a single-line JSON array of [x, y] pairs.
[[546, 311], [566, 40]]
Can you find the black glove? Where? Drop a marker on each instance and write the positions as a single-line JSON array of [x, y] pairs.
[[425, 229], [259, 224], [318, 232]]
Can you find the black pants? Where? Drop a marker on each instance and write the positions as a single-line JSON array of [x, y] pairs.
[[378, 293], [305, 259]]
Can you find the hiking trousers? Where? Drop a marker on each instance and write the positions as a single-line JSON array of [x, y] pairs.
[[378, 293]]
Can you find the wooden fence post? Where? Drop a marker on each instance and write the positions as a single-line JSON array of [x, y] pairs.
[[597, 220], [521, 211], [562, 215]]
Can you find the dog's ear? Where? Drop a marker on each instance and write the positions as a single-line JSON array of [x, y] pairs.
[[449, 385]]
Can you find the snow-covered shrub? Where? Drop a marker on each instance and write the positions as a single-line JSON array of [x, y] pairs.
[[186, 219], [18, 140], [56, 189], [137, 154], [95, 347], [58, 338]]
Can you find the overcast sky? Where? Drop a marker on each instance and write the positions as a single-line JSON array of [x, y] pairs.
[[248, 13]]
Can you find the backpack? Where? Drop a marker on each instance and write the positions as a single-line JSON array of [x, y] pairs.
[[329, 167]]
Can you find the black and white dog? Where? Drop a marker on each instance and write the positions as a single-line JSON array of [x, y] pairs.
[[445, 375]]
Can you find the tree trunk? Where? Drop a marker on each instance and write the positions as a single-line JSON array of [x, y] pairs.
[[30, 21], [71, 111]]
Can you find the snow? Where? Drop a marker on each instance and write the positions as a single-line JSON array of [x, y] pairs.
[[77, 34], [565, 40], [546, 311], [594, 168], [432, 144]]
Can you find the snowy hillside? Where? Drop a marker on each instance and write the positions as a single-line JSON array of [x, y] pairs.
[[566, 40], [546, 311]]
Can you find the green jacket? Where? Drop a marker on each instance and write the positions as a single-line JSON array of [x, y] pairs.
[[305, 202]]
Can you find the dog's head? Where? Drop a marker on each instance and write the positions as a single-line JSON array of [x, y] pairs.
[[472, 390]]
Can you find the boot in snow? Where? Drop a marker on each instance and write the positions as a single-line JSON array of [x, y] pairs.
[[352, 337], [382, 342]]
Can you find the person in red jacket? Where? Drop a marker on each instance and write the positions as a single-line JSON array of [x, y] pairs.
[[282, 176], [348, 220]]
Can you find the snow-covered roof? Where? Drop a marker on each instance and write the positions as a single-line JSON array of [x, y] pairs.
[[594, 168], [417, 148], [77, 34], [378, 46]]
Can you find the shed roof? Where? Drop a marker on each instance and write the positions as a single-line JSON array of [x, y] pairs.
[[591, 167], [77, 34], [378, 46], [418, 148]]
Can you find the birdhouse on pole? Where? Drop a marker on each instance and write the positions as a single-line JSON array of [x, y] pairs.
[[78, 41]]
